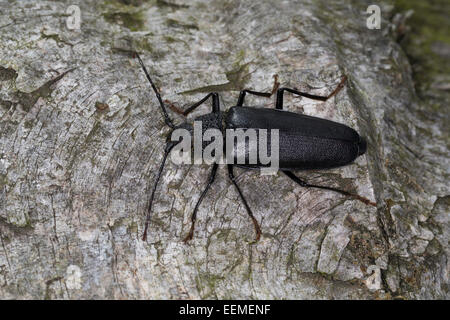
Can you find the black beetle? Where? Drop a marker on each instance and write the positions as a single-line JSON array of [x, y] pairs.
[[305, 142]]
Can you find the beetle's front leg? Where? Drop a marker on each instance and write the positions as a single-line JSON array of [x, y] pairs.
[[215, 104]]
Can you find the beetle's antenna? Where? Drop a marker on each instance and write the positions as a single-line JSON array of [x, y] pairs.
[[167, 119], [167, 150]]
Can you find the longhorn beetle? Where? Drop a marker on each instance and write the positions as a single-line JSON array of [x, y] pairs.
[[305, 142]]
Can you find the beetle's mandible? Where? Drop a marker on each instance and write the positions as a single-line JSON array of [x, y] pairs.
[[305, 142]]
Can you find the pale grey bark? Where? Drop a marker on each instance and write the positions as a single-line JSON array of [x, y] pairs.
[[78, 156]]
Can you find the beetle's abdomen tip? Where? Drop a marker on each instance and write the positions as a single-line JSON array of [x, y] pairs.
[[362, 146]]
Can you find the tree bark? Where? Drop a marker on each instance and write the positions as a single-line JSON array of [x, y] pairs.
[[79, 152]]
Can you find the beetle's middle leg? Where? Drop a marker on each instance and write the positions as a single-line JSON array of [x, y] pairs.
[[211, 178], [242, 94], [280, 92], [304, 184], [249, 211]]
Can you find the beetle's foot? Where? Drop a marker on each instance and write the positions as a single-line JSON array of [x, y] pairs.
[[360, 198], [339, 87], [365, 200], [173, 107], [144, 236], [276, 84], [256, 240], [257, 230], [190, 235]]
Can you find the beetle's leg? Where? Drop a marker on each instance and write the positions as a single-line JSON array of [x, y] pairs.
[[169, 147], [211, 178], [241, 98], [215, 104], [249, 211], [280, 92], [167, 119], [304, 184]]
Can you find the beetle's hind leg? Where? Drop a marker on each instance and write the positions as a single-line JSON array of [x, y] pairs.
[[249, 211], [211, 178], [242, 94], [280, 92], [304, 184]]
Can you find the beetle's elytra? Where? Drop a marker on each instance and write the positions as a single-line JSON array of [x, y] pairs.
[[305, 142]]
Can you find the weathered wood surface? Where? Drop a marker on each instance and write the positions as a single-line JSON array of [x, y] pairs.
[[78, 156]]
